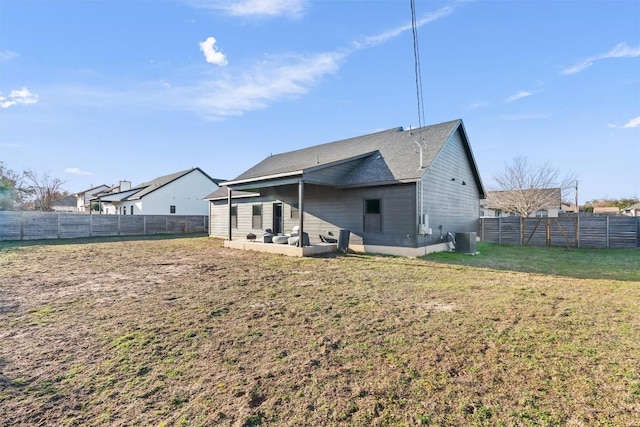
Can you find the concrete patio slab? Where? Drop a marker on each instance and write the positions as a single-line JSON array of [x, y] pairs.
[[284, 249]]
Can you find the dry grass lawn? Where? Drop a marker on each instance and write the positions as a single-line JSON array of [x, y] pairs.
[[182, 332]]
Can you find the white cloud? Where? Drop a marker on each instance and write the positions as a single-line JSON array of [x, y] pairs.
[[18, 97], [211, 53], [477, 104], [525, 116], [519, 95], [10, 145], [633, 123], [7, 55], [268, 8], [77, 171], [621, 50], [268, 82], [387, 35]]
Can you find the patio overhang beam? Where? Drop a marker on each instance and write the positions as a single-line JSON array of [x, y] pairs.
[[254, 186], [274, 176]]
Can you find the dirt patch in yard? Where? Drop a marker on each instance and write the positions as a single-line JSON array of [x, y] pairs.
[[186, 332]]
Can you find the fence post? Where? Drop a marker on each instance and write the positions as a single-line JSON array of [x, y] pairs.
[[499, 230], [144, 224], [548, 232], [522, 231], [58, 225], [608, 244]]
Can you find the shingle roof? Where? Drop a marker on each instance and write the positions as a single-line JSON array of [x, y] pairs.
[[69, 200], [141, 190], [390, 156], [147, 187]]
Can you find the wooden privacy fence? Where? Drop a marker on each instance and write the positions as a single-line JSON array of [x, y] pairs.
[[568, 231], [56, 225]]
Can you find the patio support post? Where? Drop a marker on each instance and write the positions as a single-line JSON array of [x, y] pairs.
[[301, 212], [229, 191]]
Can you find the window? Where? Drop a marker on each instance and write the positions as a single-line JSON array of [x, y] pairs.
[[295, 210], [234, 217], [543, 213], [131, 210], [172, 209], [372, 215], [256, 217]]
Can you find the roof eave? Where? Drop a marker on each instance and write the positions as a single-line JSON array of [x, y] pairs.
[[262, 178]]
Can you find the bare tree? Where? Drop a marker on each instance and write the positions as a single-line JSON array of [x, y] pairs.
[[44, 188], [525, 188]]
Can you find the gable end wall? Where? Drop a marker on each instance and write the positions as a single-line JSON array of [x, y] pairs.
[[448, 203]]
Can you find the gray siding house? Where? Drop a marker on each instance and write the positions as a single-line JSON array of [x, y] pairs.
[[398, 191]]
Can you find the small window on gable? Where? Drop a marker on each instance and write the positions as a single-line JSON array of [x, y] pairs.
[[372, 215], [256, 217], [172, 209]]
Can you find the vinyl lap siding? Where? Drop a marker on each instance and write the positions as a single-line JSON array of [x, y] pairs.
[[449, 203]]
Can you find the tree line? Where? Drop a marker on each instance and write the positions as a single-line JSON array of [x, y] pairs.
[[28, 190]]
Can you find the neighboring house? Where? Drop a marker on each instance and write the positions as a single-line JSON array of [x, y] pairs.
[[606, 210], [633, 210], [568, 208], [66, 204], [552, 197], [78, 202], [83, 198], [180, 193], [398, 191]]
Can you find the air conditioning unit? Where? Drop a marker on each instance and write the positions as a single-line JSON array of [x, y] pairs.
[[466, 243]]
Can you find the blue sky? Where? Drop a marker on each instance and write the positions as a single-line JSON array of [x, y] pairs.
[[97, 91]]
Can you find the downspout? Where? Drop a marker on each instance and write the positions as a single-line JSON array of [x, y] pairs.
[[301, 212]]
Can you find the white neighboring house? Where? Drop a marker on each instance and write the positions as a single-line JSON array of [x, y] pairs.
[[83, 198], [552, 195], [632, 210], [180, 193], [78, 202]]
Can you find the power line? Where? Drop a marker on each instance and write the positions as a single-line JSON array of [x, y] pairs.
[[416, 60]]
